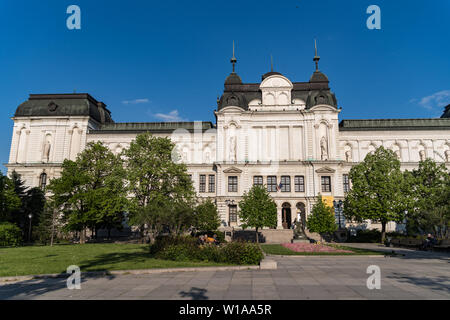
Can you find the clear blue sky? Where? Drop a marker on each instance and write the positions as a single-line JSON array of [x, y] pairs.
[[153, 61]]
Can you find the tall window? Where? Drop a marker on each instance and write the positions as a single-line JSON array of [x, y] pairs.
[[326, 183], [233, 213], [299, 183], [212, 183], [285, 184], [43, 180], [232, 184], [202, 183], [272, 183], [346, 183], [257, 180]]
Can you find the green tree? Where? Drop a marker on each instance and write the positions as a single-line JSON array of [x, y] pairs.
[[91, 189], [32, 201], [322, 218], [257, 209], [430, 190], [206, 216], [378, 190], [162, 191], [9, 200], [49, 224]]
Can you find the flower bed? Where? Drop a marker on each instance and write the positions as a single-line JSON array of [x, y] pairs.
[[310, 247]]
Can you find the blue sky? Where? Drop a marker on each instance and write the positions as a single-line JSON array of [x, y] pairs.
[[167, 60]]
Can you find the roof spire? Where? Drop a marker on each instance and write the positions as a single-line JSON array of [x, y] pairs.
[[316, 57], [271, 63], [233, 59]]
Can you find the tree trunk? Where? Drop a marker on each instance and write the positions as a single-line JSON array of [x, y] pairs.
[[52, 233], [257, 237], [383, 231], [83, 236]]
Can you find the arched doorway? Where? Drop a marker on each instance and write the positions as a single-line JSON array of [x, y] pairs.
[[286, 216], [301, 214]]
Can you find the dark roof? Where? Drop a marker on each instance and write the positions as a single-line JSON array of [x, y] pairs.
[[153, 127], [394, 124], [233, 78], [318, 76], [446, 113], [71, 104], [313, 93]]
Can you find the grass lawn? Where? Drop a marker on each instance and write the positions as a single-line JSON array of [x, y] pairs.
[[89, 257], [278, 249]]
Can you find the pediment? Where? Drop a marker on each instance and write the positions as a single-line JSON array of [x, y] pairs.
[[325, 170], [232, 170]]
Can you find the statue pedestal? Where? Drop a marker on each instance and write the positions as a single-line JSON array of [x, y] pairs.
[[300, 241]]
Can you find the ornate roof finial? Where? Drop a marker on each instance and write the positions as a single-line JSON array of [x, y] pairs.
[[271, 63], [233, 59], [316, 57]]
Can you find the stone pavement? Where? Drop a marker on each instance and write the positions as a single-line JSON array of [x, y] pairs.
[[412, 276]]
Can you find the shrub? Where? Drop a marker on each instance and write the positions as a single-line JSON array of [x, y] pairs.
[[367, 236], [187, 249], [242, 253], [10, 235]]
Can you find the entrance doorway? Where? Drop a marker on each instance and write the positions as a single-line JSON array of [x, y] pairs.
[[286, 216]]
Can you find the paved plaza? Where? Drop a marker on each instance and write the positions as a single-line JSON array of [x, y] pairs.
[[411, 275]]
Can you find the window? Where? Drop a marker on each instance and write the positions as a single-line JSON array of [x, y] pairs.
[[326, 183], [346, 183], [232, 184], [257, 180], [285, 184], [299, 183], [202, 183], [212, 183], [233, 213], [43, 180], [272, 184]]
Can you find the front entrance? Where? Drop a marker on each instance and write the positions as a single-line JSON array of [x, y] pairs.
[[286, 216]]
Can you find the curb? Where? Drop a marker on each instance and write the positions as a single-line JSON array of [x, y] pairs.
[[126, 272], [329, 256]]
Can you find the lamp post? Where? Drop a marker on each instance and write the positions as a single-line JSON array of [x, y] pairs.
[[29, 230]]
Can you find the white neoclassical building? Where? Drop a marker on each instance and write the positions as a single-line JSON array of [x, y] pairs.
[[282, 134]]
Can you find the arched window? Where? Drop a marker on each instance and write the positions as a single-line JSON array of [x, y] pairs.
[[43, 180]]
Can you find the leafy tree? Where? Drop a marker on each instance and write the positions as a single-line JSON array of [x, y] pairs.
[[49, 224], [90, 190], [378, 190], [162, 191], [430, 189], [207, 217], [32, 201], [322, 218], [9, 201], [257, 209]]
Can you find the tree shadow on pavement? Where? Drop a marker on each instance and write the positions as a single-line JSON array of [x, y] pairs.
[[31, 288], [438, 283], [195, 294]]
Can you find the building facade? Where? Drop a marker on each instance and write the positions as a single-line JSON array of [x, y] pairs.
[[282, 134]]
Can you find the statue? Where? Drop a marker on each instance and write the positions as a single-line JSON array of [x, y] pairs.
[[422, 155], [299, 228], [323, 149], [46, 152], [447, 156], [348, 155], [232, 148]]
